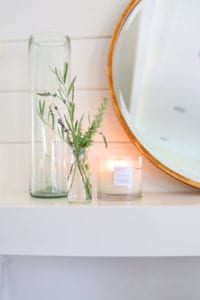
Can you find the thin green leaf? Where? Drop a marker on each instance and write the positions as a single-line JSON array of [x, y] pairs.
[[80, 124], [49, 114], [65, 72], [104, 139], [67, 123], [41, 107], [71, 87], [58, 75], [76, 126], [72, 109]]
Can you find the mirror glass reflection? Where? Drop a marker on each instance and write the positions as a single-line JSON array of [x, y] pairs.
[[156, 76]]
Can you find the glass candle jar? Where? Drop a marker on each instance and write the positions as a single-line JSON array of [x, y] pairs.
[[119, 178]]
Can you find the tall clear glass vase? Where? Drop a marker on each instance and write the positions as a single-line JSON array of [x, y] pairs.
[[48, 174]]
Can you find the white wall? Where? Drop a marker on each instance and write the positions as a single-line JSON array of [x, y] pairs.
[[89, 23]]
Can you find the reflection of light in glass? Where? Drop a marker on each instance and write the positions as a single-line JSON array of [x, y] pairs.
[[41, 165]]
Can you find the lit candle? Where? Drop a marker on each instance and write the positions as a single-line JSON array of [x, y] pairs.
[[119, 178]]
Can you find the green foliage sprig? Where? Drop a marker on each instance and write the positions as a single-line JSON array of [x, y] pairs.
[[65, 123]]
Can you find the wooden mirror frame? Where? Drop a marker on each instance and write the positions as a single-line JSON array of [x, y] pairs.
[[121, 118]]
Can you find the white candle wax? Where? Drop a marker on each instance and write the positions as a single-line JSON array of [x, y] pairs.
[[119, 176]]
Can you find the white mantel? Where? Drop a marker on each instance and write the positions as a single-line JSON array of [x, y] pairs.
[[159, 224]]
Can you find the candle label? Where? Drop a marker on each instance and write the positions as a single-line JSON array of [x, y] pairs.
[[122, 176]]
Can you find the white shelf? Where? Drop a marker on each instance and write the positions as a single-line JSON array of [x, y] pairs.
[[159, 224]]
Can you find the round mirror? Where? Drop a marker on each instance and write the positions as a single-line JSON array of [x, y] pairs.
[[154, 79]]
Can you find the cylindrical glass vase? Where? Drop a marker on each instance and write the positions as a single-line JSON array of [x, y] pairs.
[[47, 51]]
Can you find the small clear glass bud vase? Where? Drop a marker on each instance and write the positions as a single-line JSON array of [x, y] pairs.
[[79, 185]]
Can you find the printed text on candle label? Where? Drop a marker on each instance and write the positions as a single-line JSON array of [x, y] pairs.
[[122, 176]]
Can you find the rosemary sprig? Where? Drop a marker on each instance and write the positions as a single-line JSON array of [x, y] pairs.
[[65, 124]]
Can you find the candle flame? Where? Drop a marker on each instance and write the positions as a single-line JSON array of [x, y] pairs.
[[111, 164]]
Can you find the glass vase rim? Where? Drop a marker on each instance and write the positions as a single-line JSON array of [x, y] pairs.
[[49, 38]]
